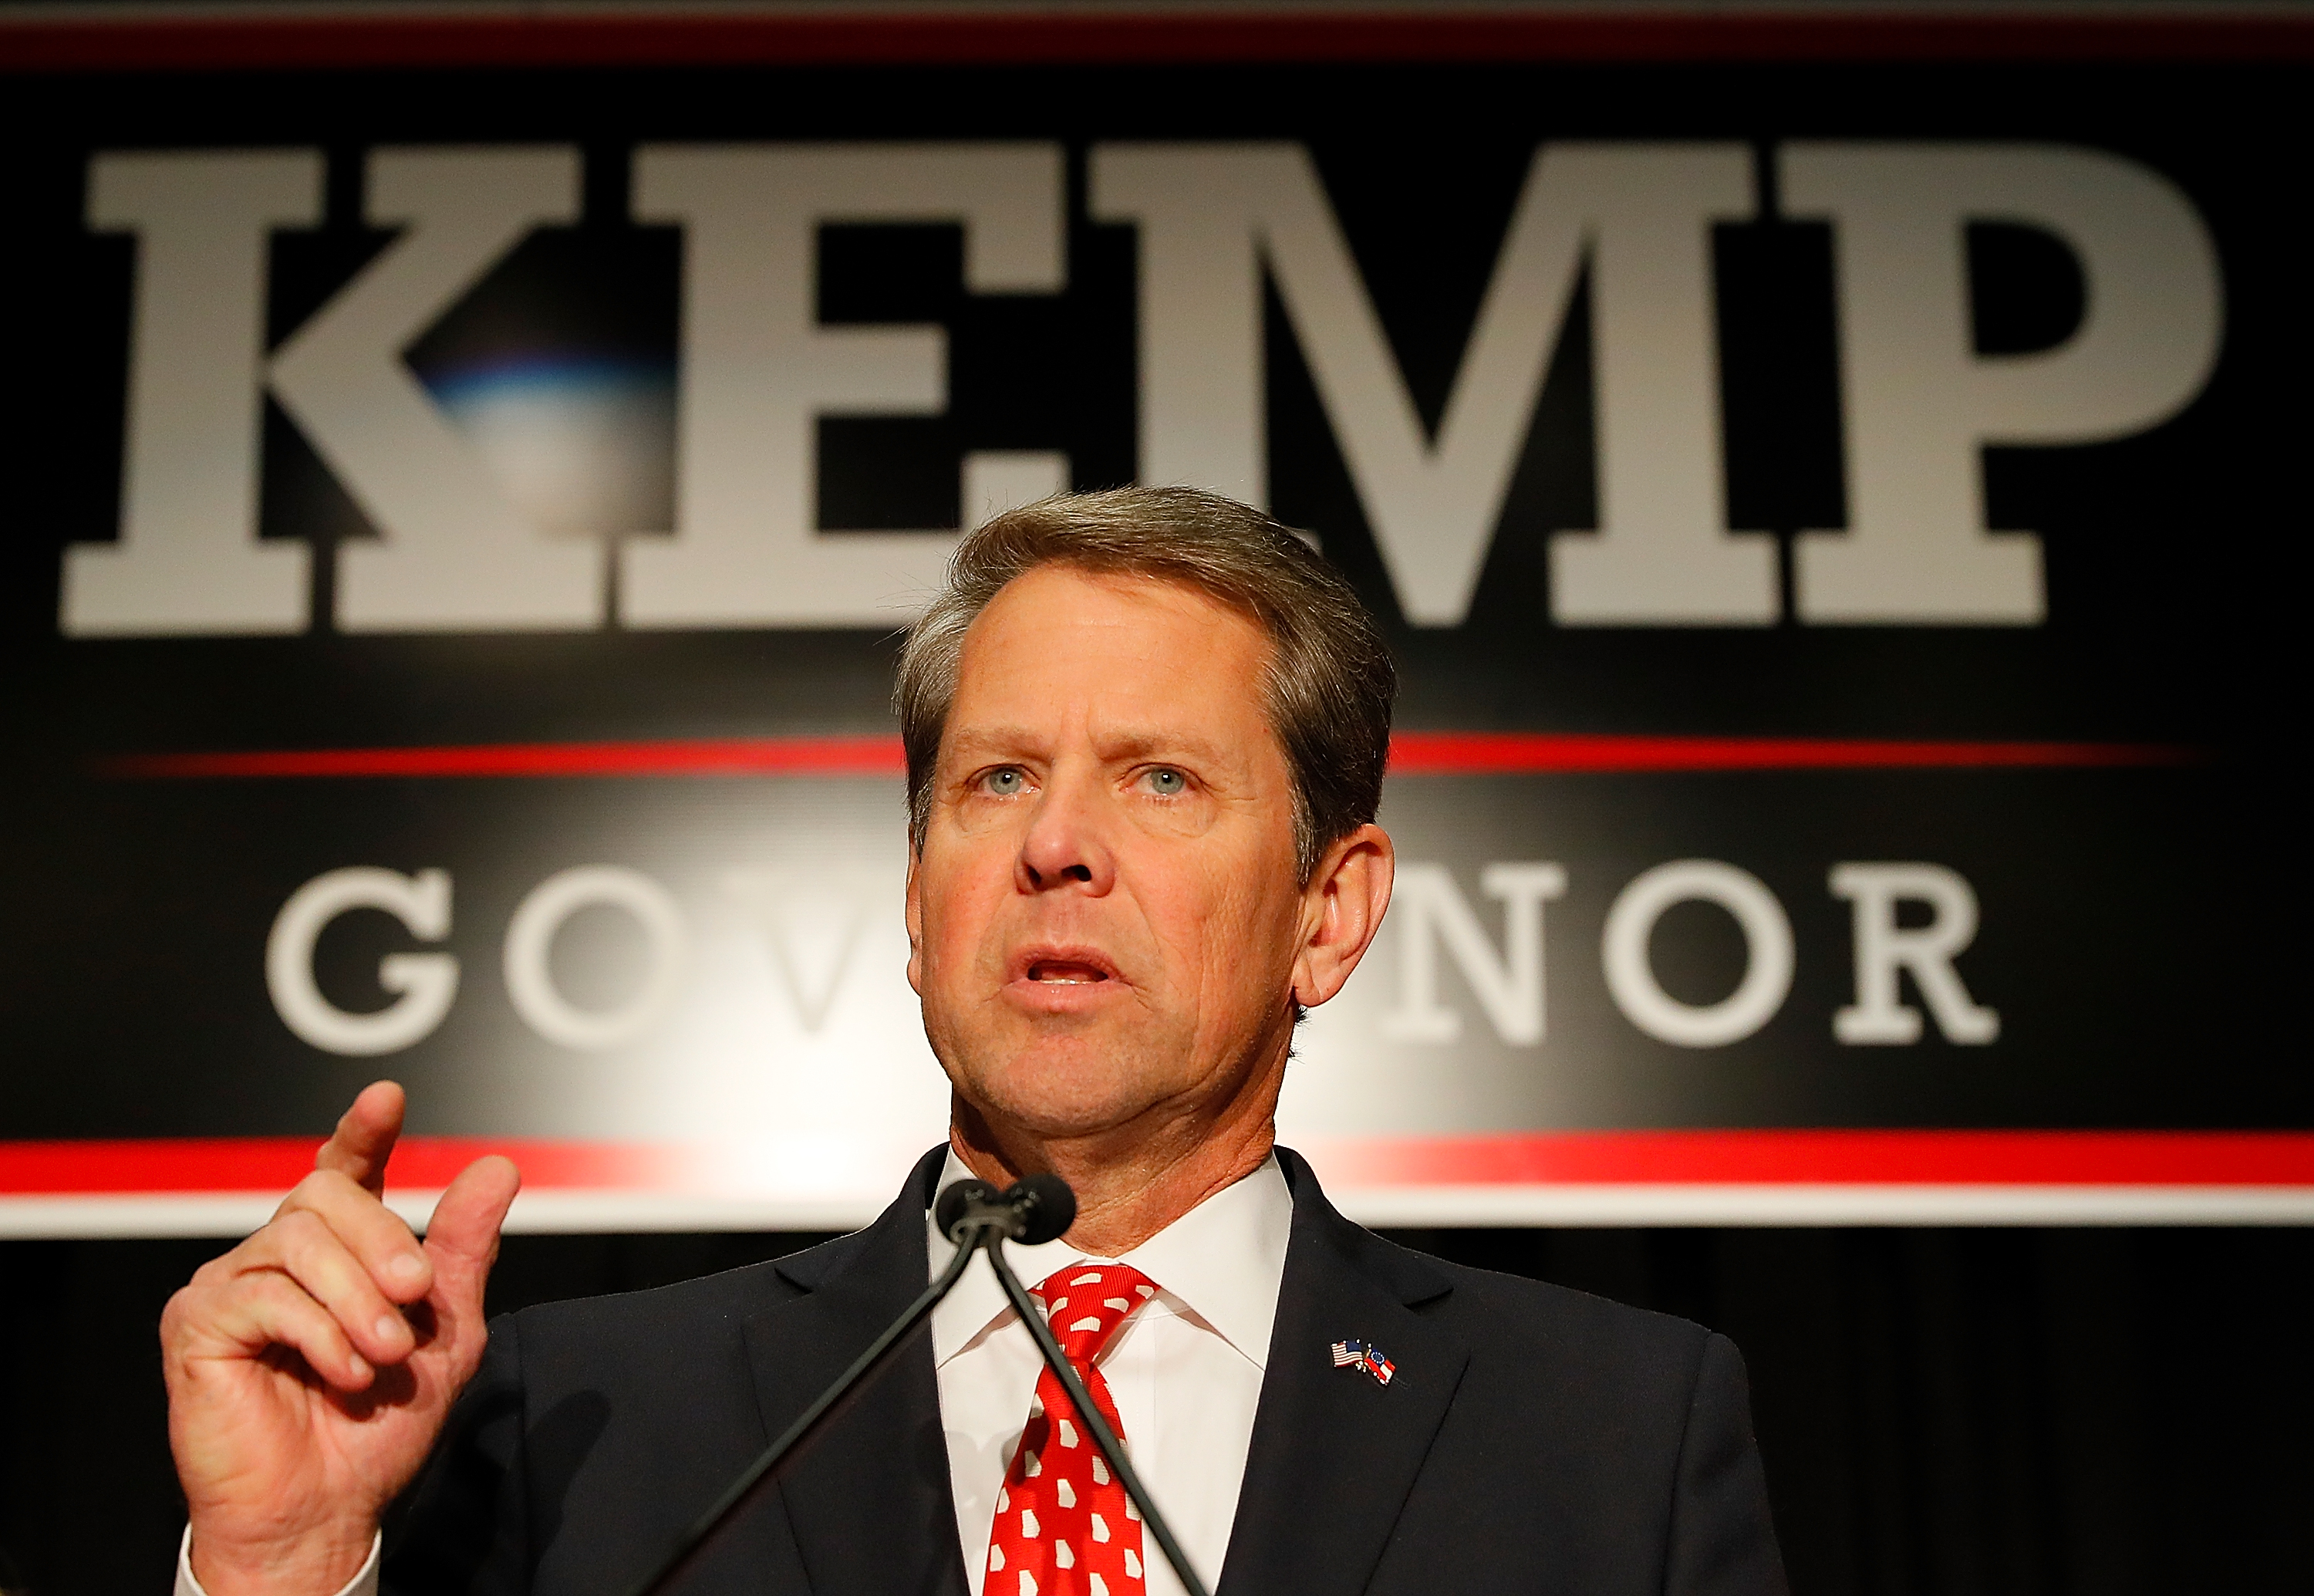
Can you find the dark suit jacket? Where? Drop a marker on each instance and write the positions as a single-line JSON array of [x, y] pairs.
[[1533, 1439]]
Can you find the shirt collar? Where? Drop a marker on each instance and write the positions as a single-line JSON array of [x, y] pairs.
[[1222, 1262]]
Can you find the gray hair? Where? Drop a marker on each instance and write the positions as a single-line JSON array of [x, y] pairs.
[[1328, 684]]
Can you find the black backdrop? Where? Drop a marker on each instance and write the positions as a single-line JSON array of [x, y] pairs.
[[1943, 1412], [1975, 1411]]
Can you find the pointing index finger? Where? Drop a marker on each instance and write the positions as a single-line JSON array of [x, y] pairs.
[[364, 1141]]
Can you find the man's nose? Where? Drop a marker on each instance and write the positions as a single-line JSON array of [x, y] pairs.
[[1066, 844]]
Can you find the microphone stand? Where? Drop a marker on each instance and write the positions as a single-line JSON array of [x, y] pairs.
[[1105, 1438], [977, 1218], [810, 1419]]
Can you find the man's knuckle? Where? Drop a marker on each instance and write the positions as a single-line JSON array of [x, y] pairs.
[[179, 1307], [254, 1290], [298, 1229], [368, 1222], [330, 1188]]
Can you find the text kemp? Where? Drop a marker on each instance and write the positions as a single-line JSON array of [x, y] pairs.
[[1215, 225]]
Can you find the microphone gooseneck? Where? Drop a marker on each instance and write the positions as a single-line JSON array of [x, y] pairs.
[[808, 1424]]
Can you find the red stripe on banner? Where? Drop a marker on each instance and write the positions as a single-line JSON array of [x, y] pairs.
[[1412, 753], [2183, 1158], [1828, 1158], [277, 1163], [714, 756], [430, 37], [1471, 753]]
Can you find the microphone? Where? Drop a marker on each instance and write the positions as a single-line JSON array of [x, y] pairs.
[[1032, 1212]]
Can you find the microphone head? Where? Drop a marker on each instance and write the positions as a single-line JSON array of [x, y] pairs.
[[1046, 1207], [953, 1203]]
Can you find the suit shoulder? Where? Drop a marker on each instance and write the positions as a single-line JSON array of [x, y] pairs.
[[686, 1306], [1509, 1315], [1495, 1308]]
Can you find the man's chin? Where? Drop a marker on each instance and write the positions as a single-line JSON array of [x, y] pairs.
[[1069, 1098]]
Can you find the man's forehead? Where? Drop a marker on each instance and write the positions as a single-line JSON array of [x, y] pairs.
[[1144, 663], [1115, 738]]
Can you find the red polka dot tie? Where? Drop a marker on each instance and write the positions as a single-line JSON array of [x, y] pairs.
[[1064, 1524]]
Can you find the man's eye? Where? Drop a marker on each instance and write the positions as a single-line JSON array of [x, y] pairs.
[[1005, 782], [1168, 783]]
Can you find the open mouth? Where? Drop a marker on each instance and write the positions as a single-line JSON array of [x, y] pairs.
[[1062, 972]]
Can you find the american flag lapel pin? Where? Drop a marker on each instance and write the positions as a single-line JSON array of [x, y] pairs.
[[1372, 1359]]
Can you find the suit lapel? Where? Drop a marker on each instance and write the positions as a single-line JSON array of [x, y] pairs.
[[1335, 1452], [883, 1461]]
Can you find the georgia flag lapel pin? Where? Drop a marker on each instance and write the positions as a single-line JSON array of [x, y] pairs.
[[1358, 1355]]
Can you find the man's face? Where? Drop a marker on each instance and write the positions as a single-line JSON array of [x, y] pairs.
[[1105, 914]]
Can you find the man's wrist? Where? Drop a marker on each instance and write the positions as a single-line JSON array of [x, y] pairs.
[[343, 1562]]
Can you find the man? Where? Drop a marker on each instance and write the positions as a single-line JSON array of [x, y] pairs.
[[1145, 735]]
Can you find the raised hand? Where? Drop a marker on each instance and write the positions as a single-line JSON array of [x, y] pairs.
[[311, 1368]]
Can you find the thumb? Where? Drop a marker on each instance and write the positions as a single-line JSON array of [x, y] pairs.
[[463, 1236]]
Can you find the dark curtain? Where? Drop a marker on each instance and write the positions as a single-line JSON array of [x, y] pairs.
[[1944, 1412]]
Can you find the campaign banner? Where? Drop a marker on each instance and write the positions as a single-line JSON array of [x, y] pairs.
[[1830, 506]]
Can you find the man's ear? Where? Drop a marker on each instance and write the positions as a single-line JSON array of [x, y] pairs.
[[1342, 910], [913, 913]]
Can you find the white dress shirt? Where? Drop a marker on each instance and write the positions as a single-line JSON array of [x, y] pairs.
[[1185, 1372], [1185, 1369]]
